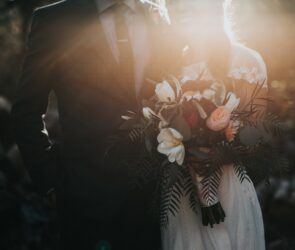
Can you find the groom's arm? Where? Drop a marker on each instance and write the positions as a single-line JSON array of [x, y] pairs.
[[31, 103]]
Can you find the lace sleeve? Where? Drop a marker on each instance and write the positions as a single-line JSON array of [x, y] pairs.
[[249, 76]]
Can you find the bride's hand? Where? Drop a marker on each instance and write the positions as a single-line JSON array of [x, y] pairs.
[[199, 166]]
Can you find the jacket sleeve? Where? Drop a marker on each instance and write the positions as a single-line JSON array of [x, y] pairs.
[[30, 105]]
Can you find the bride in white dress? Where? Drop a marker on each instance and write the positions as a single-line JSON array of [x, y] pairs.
[[215, 57]]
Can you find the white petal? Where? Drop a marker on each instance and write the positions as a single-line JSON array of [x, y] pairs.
[[219, 88], [208, 94], [180, 155], [165, 135], [202, 112], [177, 154], [233, 102], [148, 113], [165, 92], [171, 158], [170, 144], [198, 96], [188, 98], [125, 117], [172, 154], [163, 149], [169, 91], [176, 134], [166, 147], [178, 87]]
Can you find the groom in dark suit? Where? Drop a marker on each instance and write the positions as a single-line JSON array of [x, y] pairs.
[[95, 56]]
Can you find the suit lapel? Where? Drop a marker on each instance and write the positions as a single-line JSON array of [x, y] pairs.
[[96, 37], [94, 31]]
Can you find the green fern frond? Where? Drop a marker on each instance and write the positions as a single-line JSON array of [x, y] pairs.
[[210, 185], [172, 193], [241, 173], [273, 125]]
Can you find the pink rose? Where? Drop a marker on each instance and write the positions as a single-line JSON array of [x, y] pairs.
[[219, 119]]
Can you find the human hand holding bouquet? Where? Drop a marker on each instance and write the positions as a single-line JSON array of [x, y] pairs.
[[192, 129]]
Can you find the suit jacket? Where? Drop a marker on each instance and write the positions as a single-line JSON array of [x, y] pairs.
[[68, 53]]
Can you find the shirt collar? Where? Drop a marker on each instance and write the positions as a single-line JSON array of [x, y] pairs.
[[103, 5]]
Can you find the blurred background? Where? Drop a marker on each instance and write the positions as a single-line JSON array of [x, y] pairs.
[[27, 222]]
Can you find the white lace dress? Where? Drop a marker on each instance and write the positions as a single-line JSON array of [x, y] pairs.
[[243, 226]]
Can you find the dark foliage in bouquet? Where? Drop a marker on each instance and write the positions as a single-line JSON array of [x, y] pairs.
[[187, 133]]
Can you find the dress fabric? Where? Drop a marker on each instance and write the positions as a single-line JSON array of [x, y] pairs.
[[243, 226], [241, 230]]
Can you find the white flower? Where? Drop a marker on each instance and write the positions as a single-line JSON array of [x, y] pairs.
[[209, 94], [165, 92], [233, 102], [170, 144], [197, 96], [148, 113], [125, 117]]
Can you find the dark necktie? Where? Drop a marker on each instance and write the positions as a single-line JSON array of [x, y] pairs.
[[126, 61]]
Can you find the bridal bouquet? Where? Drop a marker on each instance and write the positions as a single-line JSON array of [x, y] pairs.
[[188, 132]]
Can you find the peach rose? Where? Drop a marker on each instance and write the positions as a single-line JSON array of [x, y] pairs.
[[219, 119]]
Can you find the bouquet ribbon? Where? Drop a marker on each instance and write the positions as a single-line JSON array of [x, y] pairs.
[[211, 209]]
